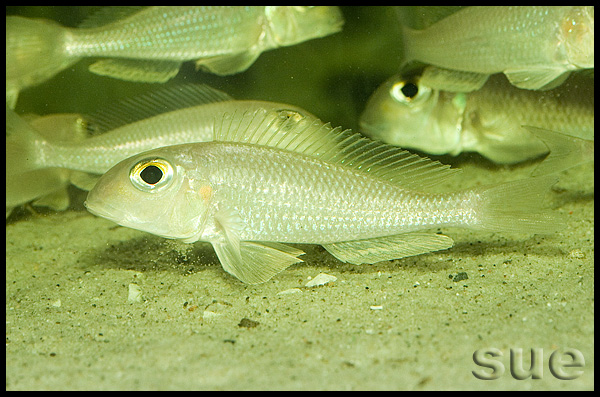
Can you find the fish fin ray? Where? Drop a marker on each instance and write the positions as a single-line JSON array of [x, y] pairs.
[[153, 103], [250, 261], [387, 248], [312, 137], [523, 213], [256, 262], [138, 70], [231, 225]]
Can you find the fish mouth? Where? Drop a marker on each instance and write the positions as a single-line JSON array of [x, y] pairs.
[[123, 218], [95, 208], [105, 211]]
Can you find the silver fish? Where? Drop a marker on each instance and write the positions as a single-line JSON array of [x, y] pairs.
[[536, 47], [253, 189], [408, 112], [180, 123], [151, 44]]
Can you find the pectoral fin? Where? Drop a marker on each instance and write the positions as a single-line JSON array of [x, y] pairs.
[[250, 261], [537, 79], [228, 64], [136, 69], [256, 262], [388, 248]]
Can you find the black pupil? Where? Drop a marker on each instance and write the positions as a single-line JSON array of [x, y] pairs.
[[151, 174], [410, 90]]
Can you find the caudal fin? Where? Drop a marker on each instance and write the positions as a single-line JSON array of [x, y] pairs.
[[565, 151], [414, 19], [22, 144], [36, 50], [518, 207]]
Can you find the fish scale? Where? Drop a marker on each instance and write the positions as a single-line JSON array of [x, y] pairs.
[[172, 33]]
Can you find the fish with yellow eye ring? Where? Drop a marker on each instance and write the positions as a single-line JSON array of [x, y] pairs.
[[261, 184]]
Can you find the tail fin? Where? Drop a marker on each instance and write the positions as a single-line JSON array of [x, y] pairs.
[[407, 64], [408, 26], [35, 50], [23, 146], [517, 207], [414, 19], [565, 151]]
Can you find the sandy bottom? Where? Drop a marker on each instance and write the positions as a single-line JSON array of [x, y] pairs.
[[90, 305]]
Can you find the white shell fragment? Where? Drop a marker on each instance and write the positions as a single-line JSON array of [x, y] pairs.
[[576, 254], [289, 291], [215, 309], [135, 294], [321, 279]]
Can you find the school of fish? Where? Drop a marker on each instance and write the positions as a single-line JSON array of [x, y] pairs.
[[189, 162]]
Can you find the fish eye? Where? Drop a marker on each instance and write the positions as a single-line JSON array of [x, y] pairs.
[[151, 175], [408, 92], [288, 114]]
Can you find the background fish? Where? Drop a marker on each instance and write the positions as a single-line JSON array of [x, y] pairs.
[[188, 114], [253, 189], [150, 44], [408, 113], [536, 47]]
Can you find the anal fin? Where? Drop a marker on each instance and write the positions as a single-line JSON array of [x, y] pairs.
[[387, 248], [136, 69]]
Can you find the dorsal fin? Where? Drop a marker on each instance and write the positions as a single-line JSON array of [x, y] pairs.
[[421, 17], [153, 103], [289, 131]]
